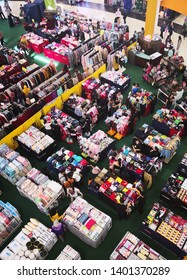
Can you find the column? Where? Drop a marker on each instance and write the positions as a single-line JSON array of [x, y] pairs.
[[152, 12]]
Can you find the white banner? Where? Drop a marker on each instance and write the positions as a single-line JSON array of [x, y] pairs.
[[95, 270]]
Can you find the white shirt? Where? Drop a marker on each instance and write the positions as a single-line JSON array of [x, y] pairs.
[[75, 194]]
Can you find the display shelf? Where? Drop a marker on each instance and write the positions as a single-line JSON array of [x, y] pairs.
[[36, 143], [167, 228], [117, 79], [68, 253], [132, 248], [87, 222], [40, 189], [10, 221], [33, 242]]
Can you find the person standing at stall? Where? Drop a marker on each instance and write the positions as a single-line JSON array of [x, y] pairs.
[[1, 13]]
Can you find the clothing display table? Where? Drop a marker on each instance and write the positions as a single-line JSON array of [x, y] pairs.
[[55, 34], [132, 248], [59, 53], [142, 102], [168, 122], [10, 220], [119, 121], [40, 189], [87, 222], [97, 146], [33, 242], [12, 165], [111, 189], [66, 123], [70, 42], [34, 42], [65, 160], [36, 142], [167, 228], [181, 106], [150, 138], [80, 107], [116, 78], [140, 166], [69, 253], [175, 191], [182, 167]]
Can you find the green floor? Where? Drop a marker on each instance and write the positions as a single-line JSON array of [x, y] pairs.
[[27, 209]]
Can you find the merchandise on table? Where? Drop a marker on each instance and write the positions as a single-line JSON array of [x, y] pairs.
[[87, 222], [60, 53], [132, 248], [116, 78], [96, 146], [139, 165], [66, 159], [10, 220], [175, 191], [142, 102], [170, 87], [70, 42], [33, 42], [33, 242], [151, 138], [181, 106], [35, 141], [112, 189], [69, 253], [80, 107], [66, 123], [182, 167], [12, 166], [168, 122], [40, 189], [167, 228], [119, 121]]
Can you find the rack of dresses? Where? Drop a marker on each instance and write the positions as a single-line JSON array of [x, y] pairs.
[[132, 248], [87, 222], [10, 220], [33, 242]]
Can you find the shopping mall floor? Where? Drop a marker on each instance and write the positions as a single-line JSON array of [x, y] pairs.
[[133, 224]]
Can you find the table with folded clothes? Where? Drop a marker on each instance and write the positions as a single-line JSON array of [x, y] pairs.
[[70, 41], [67, 161], [150, 138], [55, 34], [182, 167], [59, 53], [142, 102], [87, 222], [97, 146], [132, 248], [10, 221], [119, 121], [33, 42], [138, 165], [42, 191], [12, 165], [80, 107], [169, 122], [116, 78], [66, 123], [181, 106], [114, 190], [167, 228], [36, 142]]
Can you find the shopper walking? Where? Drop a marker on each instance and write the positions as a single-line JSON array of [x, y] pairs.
[[162, 29], [141, 202], [1, 13], [170, 28], [59, 229], [2, 39], [7, 7], [73, 193], [178, 44], [53, 214]]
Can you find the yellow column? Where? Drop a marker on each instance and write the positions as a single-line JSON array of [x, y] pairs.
[[151, 16]]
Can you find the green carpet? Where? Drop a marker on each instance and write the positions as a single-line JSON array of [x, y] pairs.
[[27, 209]]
